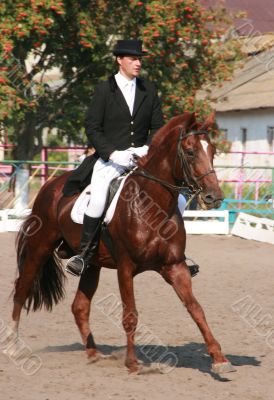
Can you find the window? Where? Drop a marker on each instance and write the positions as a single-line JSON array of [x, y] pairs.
[[244, 137], [270, 137]]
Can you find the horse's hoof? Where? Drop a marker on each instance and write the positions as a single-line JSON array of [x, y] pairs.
[[153, 368], [141, 368], [93, 355], [223, 368], [134, 369]]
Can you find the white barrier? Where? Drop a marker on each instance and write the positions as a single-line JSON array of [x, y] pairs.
[[196, 222], [207, 222], [11, 219], [249, 227]]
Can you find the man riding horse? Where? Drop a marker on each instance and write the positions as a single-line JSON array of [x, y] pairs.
[[124, 113]]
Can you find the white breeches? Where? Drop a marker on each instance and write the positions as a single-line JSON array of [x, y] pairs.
[[181, 203], [103, 173]]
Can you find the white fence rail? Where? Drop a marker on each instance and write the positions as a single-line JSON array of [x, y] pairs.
[[196, 222], [11, 219], [207, 222]]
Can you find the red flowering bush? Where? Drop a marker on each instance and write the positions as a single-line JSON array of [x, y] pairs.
[[185, 53]]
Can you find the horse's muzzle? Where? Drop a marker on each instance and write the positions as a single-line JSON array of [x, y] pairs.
[[210, 201]]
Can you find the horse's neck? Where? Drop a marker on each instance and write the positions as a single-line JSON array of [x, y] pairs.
[[162, 163], [160, 167]]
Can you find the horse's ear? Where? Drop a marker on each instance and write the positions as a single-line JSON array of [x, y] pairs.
[[190, 120], [210, 121]]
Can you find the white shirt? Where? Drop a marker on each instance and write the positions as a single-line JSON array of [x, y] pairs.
[[128, 88]]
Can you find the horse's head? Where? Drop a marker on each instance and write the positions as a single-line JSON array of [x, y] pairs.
[[196, 153], [181, 156]]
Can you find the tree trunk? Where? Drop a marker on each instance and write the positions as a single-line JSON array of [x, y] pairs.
[[21, 189], [25, 151]]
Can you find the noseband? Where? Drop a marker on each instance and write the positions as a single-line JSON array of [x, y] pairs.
[[188, 181]]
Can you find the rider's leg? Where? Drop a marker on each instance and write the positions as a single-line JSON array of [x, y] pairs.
[[102, 175], [182, 203], [193, 267]]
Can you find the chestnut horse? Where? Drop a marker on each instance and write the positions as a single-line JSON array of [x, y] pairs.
[[147, 231]]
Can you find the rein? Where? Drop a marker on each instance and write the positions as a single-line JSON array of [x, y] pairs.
[[189, 182], [145, 174]]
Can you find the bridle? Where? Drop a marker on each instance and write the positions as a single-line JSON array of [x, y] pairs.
[[188, 181]]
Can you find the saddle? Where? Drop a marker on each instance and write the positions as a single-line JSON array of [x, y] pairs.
[[63, 250]]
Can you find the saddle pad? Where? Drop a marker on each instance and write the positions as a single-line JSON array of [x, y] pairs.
[[81, 204]]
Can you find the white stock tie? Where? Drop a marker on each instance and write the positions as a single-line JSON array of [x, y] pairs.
[[130, 96]]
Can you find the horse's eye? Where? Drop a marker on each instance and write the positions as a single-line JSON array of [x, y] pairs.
[[190, 153]]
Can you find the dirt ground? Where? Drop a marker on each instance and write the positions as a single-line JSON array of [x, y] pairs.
[[235, 287]]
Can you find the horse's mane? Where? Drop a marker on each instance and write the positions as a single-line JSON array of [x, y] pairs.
[[163, 134]]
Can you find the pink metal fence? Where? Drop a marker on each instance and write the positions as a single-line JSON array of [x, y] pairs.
[[239, 179]]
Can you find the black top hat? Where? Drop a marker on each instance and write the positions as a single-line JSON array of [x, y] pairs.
[[129, 48]]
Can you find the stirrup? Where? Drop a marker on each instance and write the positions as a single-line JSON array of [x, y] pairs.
[[74, 268]]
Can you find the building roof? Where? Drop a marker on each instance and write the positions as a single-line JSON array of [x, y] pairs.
[[260, 15], [252, 86], [255, 44]]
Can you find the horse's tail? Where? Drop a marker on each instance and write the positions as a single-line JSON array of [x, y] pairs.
[[48, 286]]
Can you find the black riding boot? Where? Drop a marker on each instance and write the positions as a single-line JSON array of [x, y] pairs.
[[88, 246]]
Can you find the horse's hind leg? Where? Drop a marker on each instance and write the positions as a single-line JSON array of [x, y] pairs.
[[179, 277], [81, 308], [33, 289]]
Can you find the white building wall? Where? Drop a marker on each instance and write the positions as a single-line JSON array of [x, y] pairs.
[[256, 123]]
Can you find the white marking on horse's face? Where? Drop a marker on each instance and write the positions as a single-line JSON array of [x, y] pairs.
[[205, 146]]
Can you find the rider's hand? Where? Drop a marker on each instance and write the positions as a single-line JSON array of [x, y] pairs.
[[139, 151], [122, 157]]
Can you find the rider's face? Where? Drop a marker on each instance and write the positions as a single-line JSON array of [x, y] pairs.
[[129, 66]]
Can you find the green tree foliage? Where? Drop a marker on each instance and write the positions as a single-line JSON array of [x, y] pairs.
[[76, 38]]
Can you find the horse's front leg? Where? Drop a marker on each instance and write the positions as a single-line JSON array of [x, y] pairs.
[[81, 309], [179, 277], [130, 315]]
